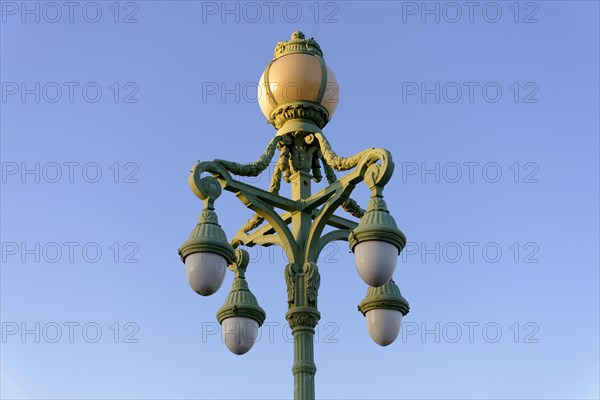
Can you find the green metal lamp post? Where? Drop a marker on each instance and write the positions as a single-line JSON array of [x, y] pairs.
[[298, 94]]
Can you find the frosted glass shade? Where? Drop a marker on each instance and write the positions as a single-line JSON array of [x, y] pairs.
[[297, 77], [239, 334], [383, 325], [375, 261], [205, 272]]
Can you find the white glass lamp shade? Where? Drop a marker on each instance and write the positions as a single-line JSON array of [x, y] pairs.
[[383, 325], [297, 77], [205, 272], [375, 261], [239, 334]]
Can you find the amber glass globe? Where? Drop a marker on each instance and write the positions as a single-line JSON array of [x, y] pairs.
[[298, 76]]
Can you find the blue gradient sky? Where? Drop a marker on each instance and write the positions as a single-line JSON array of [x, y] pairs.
[[528, 316]]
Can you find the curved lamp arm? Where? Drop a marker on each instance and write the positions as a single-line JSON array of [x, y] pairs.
[[261, 201], [338, 234], [375, 176], [373, 166]]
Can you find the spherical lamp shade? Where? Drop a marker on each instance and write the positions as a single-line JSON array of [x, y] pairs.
[[297, 85], [294, 78], [239, 334], [331, 97], [205, 272]]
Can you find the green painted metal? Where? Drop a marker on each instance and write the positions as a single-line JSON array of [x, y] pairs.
[[298, 44], [377, 224], [303, 153], [208, 236], [299, 117], [241, 302], [386, 296], [312, 114]]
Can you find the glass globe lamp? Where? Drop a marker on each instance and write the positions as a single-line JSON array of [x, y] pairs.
[[206, 255], [241, 316], [297, 91], [383, 308], [376, 243]]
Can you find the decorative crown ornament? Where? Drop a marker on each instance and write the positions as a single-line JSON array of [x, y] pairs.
[[298, 44]]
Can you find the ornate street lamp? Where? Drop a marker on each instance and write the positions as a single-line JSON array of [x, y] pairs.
[[298, 94]]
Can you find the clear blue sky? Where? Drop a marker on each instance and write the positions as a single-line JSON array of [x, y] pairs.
[[490, 110]]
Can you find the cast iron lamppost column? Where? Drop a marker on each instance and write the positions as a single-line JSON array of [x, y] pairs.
[[298, 94]]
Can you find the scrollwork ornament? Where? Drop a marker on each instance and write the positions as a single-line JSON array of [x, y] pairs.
[[209, 216], [312, 282], [286, 139], [302, 318], [372, 176], [378, 204], [290, 275], [209, 188]]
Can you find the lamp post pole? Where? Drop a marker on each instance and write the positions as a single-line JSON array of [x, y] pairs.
[[375, 240], [303, 282]]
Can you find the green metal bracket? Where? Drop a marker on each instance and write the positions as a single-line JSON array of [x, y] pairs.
[[387, 296], [207, 236], [377, 224], [241, 302]]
